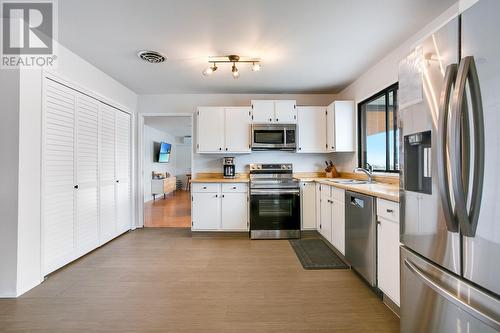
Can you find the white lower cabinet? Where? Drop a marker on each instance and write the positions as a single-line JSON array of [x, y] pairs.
[[325, 227], [338, 219], [206, 211], [234, 211], [308, 205], [332, 215], [219, 207], [388, 249]]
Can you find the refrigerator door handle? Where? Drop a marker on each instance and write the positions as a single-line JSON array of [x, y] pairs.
[[467, 218], [443, 160], [452, 296]]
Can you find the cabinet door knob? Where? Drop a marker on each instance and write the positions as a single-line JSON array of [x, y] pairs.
[[223, 195], [234, 187], [220, 148], [226, 149], [276, 119], [389, 210], [76, 187], [204, 187], [270, 120], [216, 195], [117, 180]]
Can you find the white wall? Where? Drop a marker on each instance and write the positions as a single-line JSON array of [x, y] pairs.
[[152, 135], [187, 103], [9, 170], [385, 73], [182, 160], [74, 70]]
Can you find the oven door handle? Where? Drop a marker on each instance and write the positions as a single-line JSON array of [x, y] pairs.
[[275, 192]]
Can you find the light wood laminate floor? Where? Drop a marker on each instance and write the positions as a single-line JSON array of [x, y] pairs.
[[165, 280], [172, 211]]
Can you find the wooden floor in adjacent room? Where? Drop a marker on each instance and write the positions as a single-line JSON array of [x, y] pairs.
[[165, 280], [172, 211]]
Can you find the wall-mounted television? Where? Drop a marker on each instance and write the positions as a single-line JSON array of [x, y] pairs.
[[162, 152]]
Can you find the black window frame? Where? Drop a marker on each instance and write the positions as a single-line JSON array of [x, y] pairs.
[[362, 137]]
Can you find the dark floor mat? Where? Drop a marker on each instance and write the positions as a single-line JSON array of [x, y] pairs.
[[315, 254]]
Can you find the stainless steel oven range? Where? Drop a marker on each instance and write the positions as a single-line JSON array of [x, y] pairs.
[[274, 202]]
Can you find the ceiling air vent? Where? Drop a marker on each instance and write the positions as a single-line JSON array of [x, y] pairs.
[[151, 56]]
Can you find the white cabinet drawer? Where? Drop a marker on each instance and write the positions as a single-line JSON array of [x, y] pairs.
[[234, 187], [338, 194], [388, 210], [205, 187]]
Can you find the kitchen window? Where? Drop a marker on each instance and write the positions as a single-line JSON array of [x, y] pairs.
[[378, 131]]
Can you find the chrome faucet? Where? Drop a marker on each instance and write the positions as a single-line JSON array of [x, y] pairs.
[[368, 173]]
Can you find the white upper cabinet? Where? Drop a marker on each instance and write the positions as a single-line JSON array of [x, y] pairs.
[[237, 129], [222, 130], [274, 112], [341, 127], [311, 129], [210, 129], [263, 112], [285, 112]]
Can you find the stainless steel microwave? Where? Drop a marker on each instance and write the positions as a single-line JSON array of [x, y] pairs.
[[274, 137]]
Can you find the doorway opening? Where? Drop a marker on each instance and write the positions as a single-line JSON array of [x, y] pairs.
[[166, 164]]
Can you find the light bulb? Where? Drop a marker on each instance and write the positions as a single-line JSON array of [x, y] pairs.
[[256, 67], [235, 72], [208, 71]]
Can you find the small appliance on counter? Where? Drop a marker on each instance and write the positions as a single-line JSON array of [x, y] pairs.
[[229, 169]]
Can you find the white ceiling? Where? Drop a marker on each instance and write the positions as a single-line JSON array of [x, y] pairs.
[[175, 126], [306, 46]]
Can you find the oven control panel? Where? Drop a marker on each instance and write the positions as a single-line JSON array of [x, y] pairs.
[[271, 167]]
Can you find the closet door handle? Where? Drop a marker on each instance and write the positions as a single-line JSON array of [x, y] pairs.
[[75, 187]]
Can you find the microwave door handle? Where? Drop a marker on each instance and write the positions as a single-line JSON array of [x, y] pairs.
[[443, 164], [468, 219]]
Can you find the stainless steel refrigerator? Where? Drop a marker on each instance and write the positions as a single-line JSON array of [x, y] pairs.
[[450, 180]]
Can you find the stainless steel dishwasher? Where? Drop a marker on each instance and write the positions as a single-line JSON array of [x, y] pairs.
[[361, 235]]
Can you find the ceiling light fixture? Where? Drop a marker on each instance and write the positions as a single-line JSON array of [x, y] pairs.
[[232, 59], [235, 72], [256, 67], [210, 70]]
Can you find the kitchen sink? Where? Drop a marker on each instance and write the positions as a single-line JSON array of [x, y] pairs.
[[349, 181]]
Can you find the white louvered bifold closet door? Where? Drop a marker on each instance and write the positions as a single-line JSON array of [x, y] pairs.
[[123, 197], [59, 105], [87, 172], [107, 153]]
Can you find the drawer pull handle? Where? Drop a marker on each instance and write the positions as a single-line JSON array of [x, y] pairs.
[[204, 187], [234, 187], [389, 210]]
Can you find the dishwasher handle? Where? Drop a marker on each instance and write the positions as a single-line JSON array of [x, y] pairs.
[[357, 202]]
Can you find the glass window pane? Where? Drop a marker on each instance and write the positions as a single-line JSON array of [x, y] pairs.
[[375, 129], [393, 145]]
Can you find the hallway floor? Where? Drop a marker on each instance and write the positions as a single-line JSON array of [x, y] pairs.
[[166, 280], [174, 211]]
